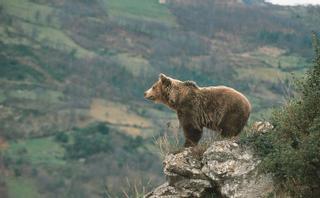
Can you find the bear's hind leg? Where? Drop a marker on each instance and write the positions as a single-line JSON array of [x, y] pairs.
[[229, 131], [192, 135], [232, 125]]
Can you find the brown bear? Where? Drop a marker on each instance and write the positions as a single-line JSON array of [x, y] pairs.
[[218, 108]]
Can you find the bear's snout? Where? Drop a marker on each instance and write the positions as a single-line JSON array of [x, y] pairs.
[[148, 95]]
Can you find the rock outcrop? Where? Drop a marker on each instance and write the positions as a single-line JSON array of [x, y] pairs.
[[225, 169]]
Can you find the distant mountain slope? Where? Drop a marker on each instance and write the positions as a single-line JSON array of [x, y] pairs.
[[115, 49], [105, 48], [67, 64]]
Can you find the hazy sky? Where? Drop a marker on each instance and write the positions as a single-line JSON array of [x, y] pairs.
[[294, 2]]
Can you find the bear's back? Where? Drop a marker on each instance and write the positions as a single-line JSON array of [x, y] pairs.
[[225, 94], [232, 109]]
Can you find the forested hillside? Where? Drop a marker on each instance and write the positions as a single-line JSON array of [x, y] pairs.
[[73, 120]]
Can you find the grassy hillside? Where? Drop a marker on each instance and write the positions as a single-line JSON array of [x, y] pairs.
[[22, 187], [66, 65], [140, 10]]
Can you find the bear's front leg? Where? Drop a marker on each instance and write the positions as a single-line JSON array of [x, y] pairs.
[[192, 135]]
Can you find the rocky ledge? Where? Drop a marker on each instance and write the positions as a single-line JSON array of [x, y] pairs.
[[225, 169]]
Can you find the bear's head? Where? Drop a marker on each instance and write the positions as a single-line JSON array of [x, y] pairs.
[[169, 91]]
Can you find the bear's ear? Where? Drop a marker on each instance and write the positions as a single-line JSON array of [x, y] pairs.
[[165, 80], [190, 83], [161, 76]]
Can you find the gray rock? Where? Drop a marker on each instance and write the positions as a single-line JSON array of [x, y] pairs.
[[234, 170], [225, 170]]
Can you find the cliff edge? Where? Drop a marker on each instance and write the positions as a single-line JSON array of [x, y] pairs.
[[224, 169]]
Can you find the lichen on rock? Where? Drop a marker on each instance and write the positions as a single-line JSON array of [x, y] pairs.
[[225, 169]]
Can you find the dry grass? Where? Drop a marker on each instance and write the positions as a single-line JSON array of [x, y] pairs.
[[168, 144], [130, 189], [118, 114], [3, 144], [271, 51], [172, 143]]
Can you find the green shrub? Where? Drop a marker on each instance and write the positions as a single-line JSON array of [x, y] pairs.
[[62, 137], [103, 128], [88, 141], [12, 70], [291, 151]]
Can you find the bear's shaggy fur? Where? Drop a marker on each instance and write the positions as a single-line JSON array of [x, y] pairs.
[[219, 108]]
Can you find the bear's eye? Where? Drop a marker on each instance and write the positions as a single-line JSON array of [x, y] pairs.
[[153, 87]]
